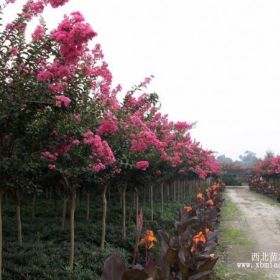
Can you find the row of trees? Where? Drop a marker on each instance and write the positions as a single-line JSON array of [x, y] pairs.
[[266, 176], [62, 121]]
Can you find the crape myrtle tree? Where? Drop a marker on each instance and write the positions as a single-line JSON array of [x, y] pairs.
[[21, 97], [125, 128], [46, 100]]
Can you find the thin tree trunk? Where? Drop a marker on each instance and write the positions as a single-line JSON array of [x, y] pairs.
[[168, 193], [64, 211], [134, 200], [88, 205], [104, 215], [72, 228], [1, 234], [137, 203], [18, 218], [174, 191], [123, 194], [161, 187], [33, 206], [131, 207], [137, 211], [120, 192], [152, 202]]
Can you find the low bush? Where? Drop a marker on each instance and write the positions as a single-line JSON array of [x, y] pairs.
[[187, 253]]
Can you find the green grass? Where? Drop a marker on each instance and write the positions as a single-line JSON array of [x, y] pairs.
[[230, 211], [233, 239], [231, 235]]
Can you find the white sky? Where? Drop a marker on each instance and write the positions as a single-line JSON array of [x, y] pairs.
[[216, 62]]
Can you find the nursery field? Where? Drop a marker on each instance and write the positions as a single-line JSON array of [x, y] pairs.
[[44, 250]]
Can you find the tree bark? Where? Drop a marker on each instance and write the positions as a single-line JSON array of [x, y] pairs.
[[1, 234], [88, 205], [72, 228], [137, 203], [168, 194], [161, 187], [64, 211], [33, 206], [18, 218], [104, 216], [152, 202], [123, 197]]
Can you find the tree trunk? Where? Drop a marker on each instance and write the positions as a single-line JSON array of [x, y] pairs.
[[1, 234], [178, 191], [64, 211], [88, 205], [18, 218], [137, 203], [161, 187], [33, 206], [174, 191], [152, 202], [104, 215], [72, 228], [167, 186], [123, 194]]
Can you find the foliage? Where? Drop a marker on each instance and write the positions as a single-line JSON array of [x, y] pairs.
[[188, 254]]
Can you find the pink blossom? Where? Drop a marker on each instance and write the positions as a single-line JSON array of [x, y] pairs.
[[117, 170], [77, 117], [38, 33], [44, 75], [72, 34], [96, 167], [76, 142], [62, 100], [51, 166], [33, 9], [88, 134], [158, 172], [14, 51], [48, 155], [107, 127], [142, 164], [57, 3], [63, 148], [54, 133], [77, 16], [56, 87], [147, 80]]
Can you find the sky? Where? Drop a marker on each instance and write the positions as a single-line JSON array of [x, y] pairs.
[[215, 62]]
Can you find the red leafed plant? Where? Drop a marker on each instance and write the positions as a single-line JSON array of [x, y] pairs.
[[189, 255]]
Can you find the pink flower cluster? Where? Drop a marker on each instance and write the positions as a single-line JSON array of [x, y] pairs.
[[57, 3], [72, 34], [142, 165], [268, 166], [108, 125], [49, 156], [32, 9], [38, 33], [101, 152], [62, 100]]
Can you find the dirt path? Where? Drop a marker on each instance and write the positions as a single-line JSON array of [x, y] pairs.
[[250, 234]]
